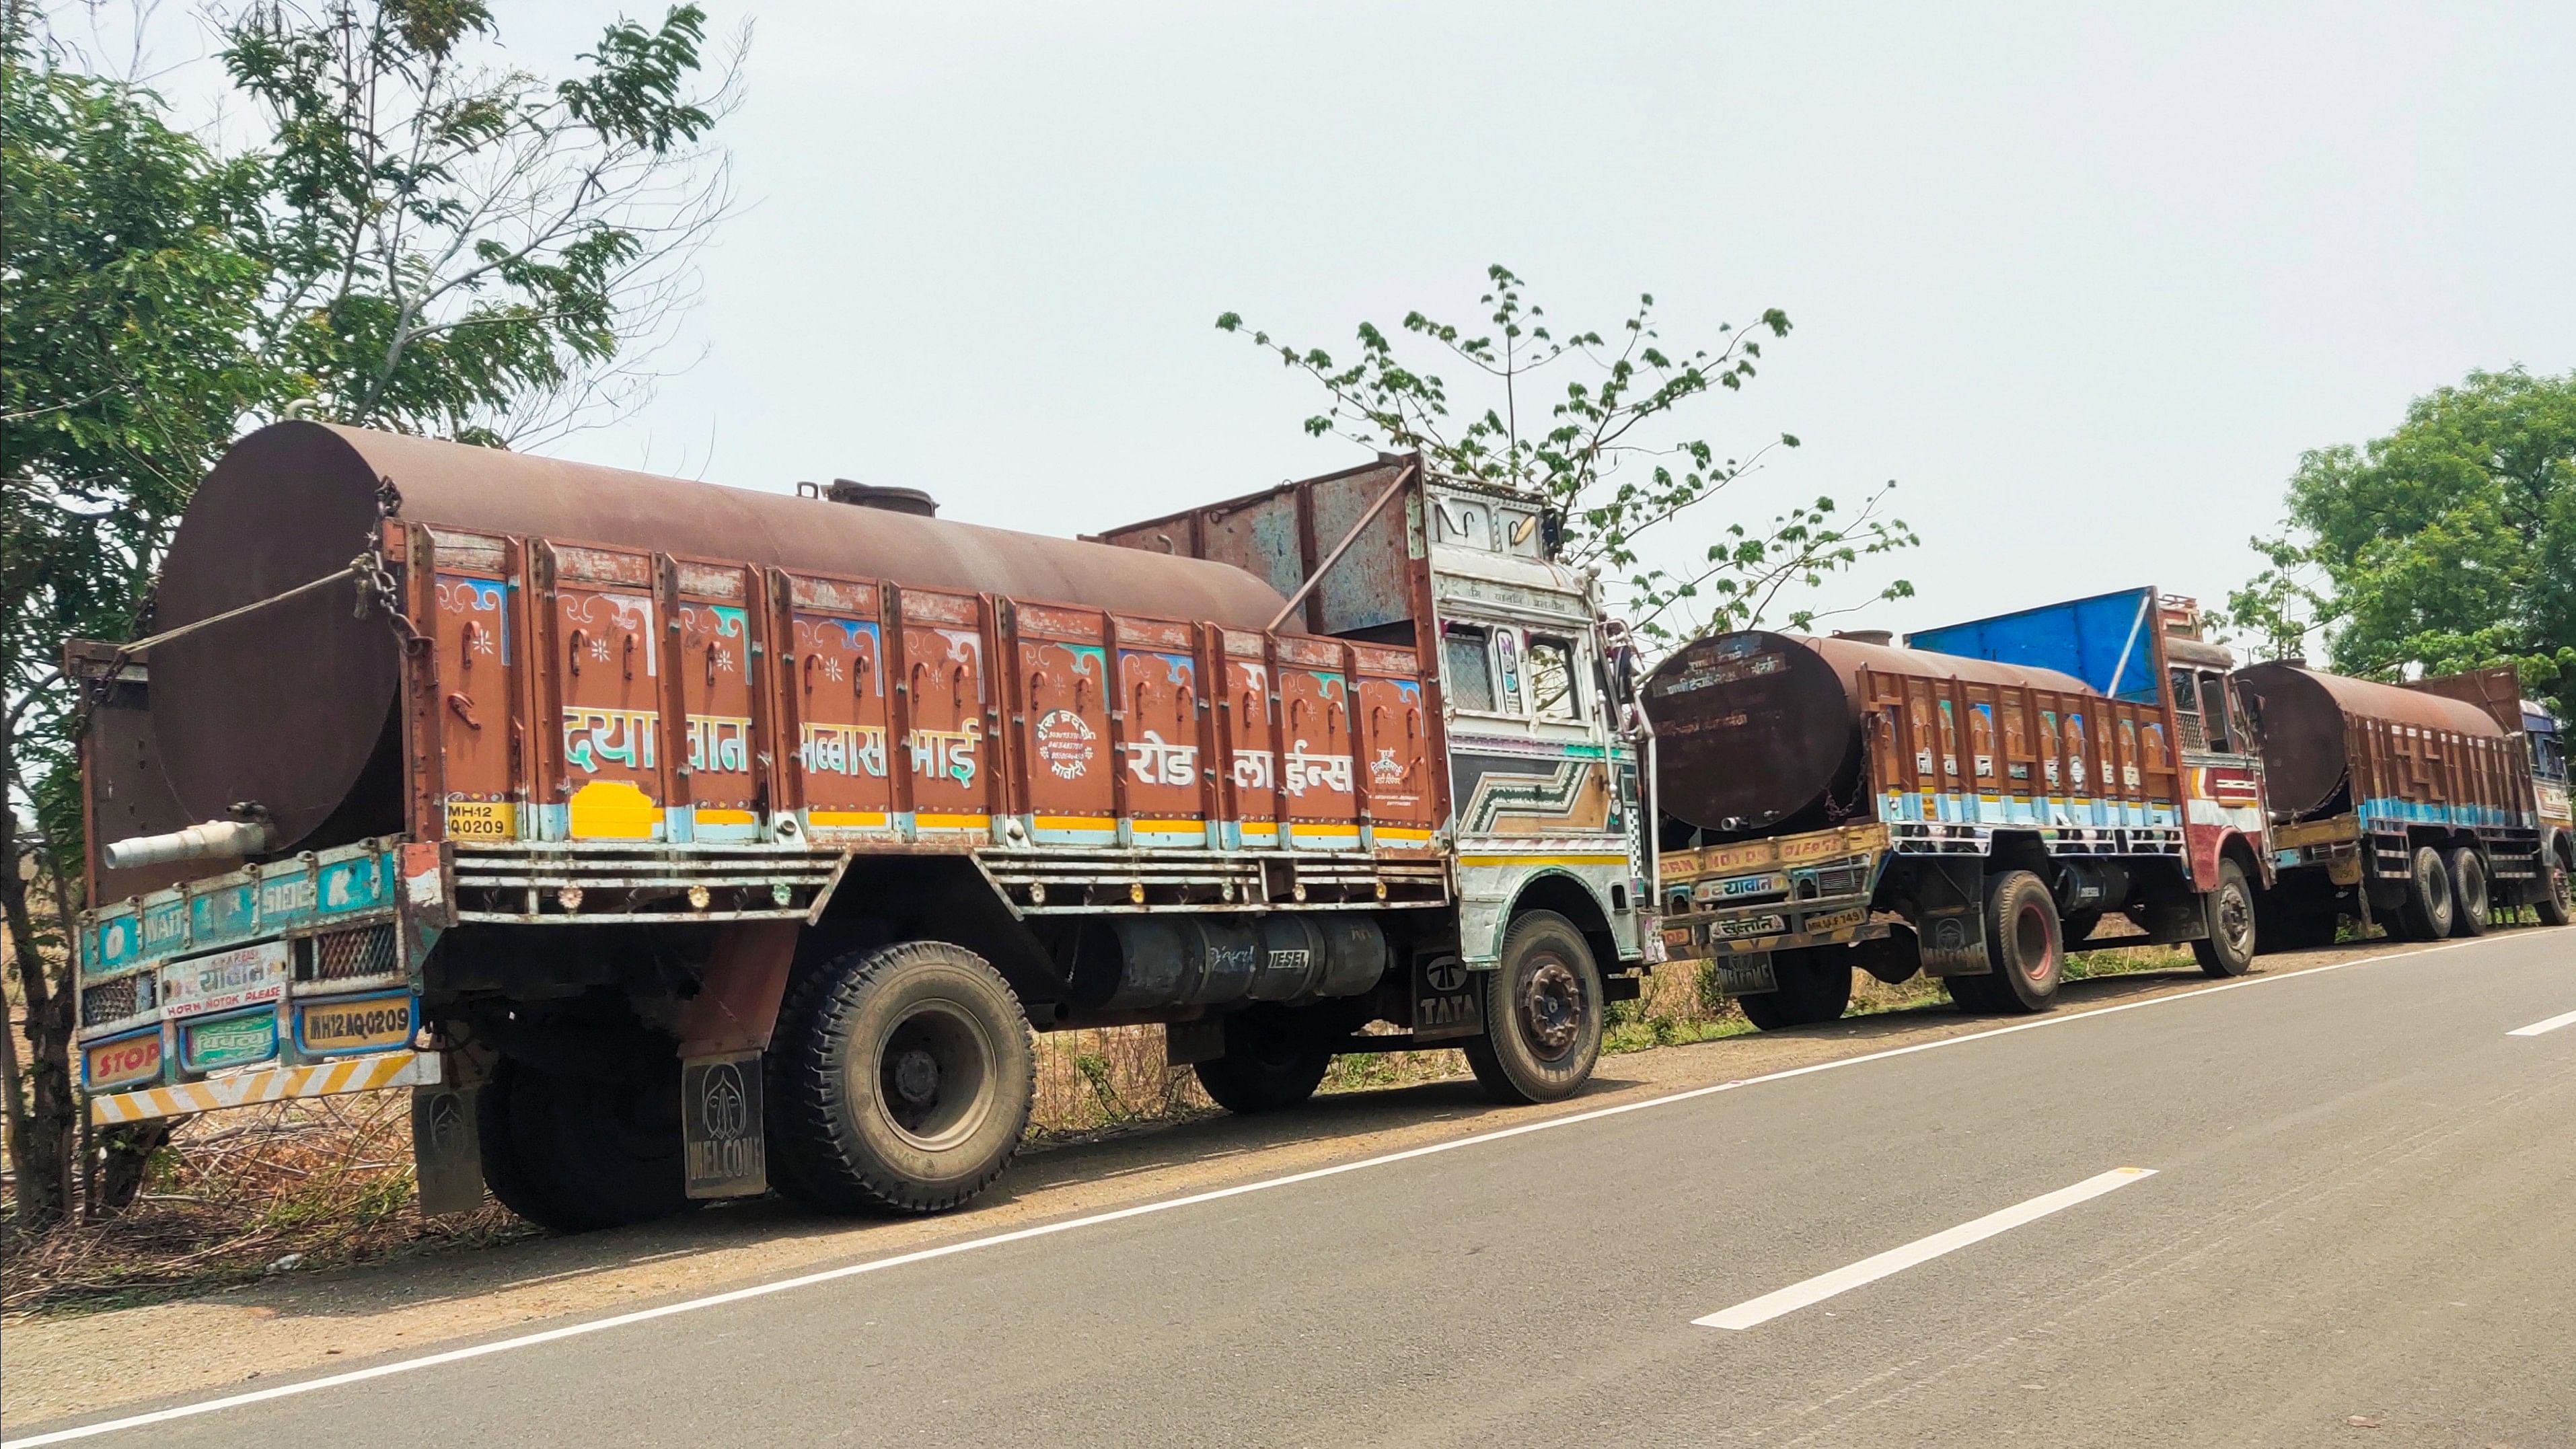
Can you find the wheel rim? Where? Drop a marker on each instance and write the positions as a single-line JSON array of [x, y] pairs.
[[1551, 1008], [2236, 919], [935, 1068], [2031, 946], [2428, 884]]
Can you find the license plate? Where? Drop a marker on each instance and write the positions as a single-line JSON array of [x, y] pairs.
[[482, 820], [1743, 978]]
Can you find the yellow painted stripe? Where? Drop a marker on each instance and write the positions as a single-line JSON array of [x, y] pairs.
[[1076, 822], [707, 816], [831, 819], [1308, 827], [274, 1084], [1399, 832], [1171, 827], [1542, 860], [952, 822]]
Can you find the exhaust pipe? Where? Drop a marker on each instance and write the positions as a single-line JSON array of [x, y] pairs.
[[213, 840]]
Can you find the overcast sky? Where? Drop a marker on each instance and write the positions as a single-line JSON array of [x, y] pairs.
[[2085, 287]]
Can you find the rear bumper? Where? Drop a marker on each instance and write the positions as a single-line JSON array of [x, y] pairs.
[[271, 1084]]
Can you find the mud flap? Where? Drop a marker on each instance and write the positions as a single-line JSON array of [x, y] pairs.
[[720, 1122], [1448, 999], [1951, 932], [447, 1154]]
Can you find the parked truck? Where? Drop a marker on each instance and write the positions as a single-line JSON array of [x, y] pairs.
[[1971, 806], [2418, 806], [671, 841]]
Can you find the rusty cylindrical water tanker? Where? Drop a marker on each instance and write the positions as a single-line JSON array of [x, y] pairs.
[[1763, 731], [1970, 809], [671, 840], [288, 712], [2397, 803]]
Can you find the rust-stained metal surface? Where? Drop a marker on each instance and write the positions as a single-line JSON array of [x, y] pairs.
[[290, 707], [1756, 728], [2496, 689], [2333, 745]]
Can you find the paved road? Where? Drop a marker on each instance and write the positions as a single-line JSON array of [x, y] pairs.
[[2361, 1228]]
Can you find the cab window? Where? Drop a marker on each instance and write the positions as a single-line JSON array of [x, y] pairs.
[[1552, 680], [1467, 662], [2213, 698]]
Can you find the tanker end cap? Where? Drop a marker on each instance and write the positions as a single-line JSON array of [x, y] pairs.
[[213, 840]]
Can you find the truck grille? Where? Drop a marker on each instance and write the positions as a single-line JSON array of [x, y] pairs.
[[116, 1000], [1840, 881], [346, 955]]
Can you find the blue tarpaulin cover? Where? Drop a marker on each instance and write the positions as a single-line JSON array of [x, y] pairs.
[[2108, 641]]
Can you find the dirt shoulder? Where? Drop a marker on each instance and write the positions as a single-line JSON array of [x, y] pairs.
[[66, 1365]]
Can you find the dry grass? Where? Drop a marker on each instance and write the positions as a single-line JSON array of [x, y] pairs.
[[309, 1184]]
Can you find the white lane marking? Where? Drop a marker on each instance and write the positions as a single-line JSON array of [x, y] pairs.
[[1922, 1250], [2552, 1024], [852, 1270]]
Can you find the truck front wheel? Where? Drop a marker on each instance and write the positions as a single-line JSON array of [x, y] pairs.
[[2426, 911], [576, 1153], [2229, 948], [1815, 985], [1542, 1013], [2468, 893], [2557, 902], [901, 1080]]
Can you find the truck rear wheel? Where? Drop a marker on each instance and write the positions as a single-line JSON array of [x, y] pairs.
[[901, 1080], [2468, 893], [2022, 943], [1268, 1064], [2229, 948], [577, 1153], [1815, 985], [1542, 1013], [2426, 910]]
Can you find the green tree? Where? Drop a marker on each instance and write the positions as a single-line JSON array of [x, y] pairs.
[[1602, 449], [424, 239], [2449, 544], [460, 248], [125, 292]]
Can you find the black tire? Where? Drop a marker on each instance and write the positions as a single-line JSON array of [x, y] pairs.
[[2022, 943], [1815, 985], [2468, 893], [2557, 900], [1542, 1013], [901, 1079], [2426, 910], [579, 1153], [2233, 933], [1269, 1064]]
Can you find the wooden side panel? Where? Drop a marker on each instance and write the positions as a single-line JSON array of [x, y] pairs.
[[1063, 710], [1158, 695], [476, 647], [1395, 748], [725, 730], [603, 632], [1315, 727], [1251, 734], [835, 687], [946, 765]]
